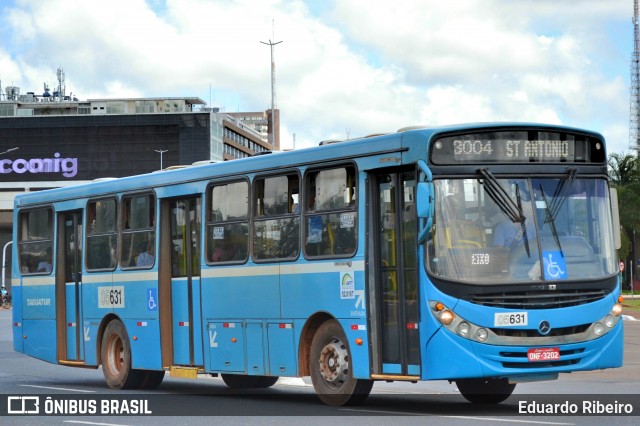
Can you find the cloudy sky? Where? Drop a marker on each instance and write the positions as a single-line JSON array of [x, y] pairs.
[[344, 67]]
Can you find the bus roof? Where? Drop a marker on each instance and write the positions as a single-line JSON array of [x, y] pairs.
[[352, 148]]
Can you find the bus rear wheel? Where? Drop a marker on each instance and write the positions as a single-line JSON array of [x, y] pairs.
[[236, 381], [485, 391], [331, 368], [266, 381], [150, 379], [116, 358]]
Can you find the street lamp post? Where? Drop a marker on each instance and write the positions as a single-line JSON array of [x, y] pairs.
[[10, 149], [161, 151]]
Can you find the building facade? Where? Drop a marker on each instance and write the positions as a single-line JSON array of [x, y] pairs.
[[48, 142]]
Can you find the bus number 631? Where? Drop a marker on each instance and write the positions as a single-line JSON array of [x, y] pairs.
[[111, 297]]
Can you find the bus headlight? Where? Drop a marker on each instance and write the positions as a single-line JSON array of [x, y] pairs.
[[610, 321], [617, 309], [458, 325], [598, 328], [463, 329], [482, 334], [446, 317]]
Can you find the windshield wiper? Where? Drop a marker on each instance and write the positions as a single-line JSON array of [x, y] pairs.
[[550, 219], [500, 196], [559, 196], [523, 225], [511, 209]]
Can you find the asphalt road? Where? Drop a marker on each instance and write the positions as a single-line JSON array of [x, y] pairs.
[[207, 400]]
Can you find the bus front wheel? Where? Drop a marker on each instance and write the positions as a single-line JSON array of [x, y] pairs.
[[116, 358], [332, 370], [485, 391]]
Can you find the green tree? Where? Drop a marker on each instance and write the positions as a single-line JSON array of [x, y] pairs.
[[625, 177], [623, 169]]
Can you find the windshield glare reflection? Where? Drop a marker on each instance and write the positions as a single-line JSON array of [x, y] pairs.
[[493, 231]]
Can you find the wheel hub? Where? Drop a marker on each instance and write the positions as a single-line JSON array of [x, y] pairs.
[[334, 362], [116, 355]]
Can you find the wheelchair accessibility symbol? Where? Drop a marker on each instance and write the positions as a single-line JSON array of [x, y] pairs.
[[555, 266], [152, 296]]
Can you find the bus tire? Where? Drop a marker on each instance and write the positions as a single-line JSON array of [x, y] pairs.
[[485, 391], [150, 379], [116, 358], [239, 381], [266, 381], [331, 369]]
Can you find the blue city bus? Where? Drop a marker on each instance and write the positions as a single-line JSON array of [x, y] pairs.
[[480, 254]]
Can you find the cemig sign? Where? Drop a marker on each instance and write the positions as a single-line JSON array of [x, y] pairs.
[[68, 167]]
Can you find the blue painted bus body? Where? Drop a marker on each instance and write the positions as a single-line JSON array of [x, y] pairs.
[[249, 318]]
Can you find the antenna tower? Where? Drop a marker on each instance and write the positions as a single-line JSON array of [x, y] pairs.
[[634, 120], [61, 86], [273, 91]]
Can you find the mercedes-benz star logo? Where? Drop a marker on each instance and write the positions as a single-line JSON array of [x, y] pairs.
[[544, 328]]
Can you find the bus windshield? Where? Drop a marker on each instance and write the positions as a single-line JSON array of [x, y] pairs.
[[490, 230]]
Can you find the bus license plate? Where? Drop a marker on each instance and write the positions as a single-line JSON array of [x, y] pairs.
[[543, 354], [511, 319]]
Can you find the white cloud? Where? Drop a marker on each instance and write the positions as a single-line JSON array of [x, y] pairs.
[[356, 66]]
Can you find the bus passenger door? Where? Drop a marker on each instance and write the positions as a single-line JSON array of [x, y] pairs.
[[185, 231], [393, 269], [68, 260]]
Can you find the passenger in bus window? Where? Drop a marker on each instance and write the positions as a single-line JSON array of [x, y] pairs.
[[222, 254], [505, 233], [146, 258], [509, 234], [45, 264], [25, 262]]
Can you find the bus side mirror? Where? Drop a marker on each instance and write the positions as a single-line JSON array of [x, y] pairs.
[[424, 200], [617, 238]]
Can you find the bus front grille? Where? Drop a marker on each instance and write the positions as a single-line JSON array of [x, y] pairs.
[[541, 364], [533, 333], [539, 300]]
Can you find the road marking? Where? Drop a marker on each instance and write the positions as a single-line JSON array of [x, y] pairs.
[[490, 419], [358, 410], [91, 423], [62, 389], [292, 381], [507, 420]]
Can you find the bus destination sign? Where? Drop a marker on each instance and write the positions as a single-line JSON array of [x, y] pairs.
[[517, 147]]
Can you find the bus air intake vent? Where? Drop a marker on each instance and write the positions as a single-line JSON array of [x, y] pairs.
[[532, 334], [539, 299]]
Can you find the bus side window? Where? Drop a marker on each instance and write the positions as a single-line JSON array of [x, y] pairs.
[[331, 216], [138, 242], [228, 223], [35, 241], [276, 228], [102, 234]]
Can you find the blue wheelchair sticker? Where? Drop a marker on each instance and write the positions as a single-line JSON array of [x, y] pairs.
[[152, 299], [555, 266]]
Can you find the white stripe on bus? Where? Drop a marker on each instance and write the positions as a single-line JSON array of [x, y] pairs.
[[210, 272], [289, 269], [31, 281]]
